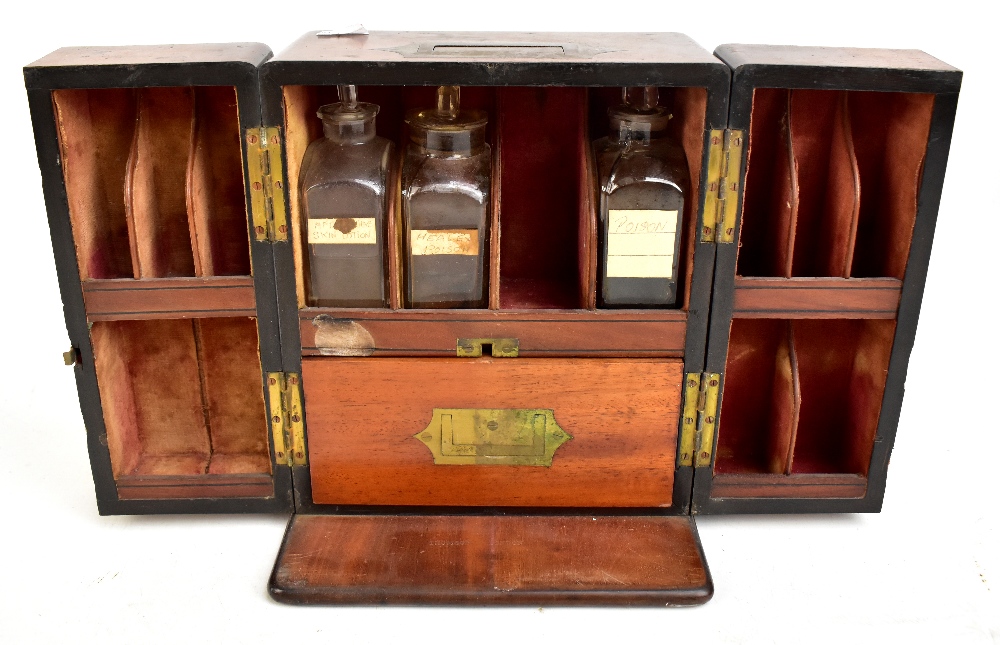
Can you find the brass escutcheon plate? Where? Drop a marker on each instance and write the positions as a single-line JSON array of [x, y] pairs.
[[500, 437]]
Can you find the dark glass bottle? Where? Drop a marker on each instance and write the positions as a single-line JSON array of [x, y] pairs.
[[344, 204], [644, 184], [446, 205]]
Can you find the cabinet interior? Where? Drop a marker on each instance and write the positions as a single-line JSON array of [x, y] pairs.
[[542, 250], [831, 182], [182, 398], [802, 397], [154, 180]]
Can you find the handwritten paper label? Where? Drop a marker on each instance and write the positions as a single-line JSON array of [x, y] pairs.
[[342, 230], [445, 242], [641, 243]]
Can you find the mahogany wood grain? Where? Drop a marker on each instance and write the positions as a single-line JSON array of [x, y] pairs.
[[194, 486], [169, 298], [362, 415], [816, 297], [827, 486], [491, 560], [541, 333]]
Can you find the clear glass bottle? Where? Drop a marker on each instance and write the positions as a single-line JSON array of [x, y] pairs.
[[644, 183], [344, 205], [446, 205]]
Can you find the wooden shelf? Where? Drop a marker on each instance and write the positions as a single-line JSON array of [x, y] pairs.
[[129, 299], [816, 297], [434, 332], [826, 486]]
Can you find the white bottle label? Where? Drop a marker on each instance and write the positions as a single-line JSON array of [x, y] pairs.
[[342, 230], [445, 242], [641, 243]]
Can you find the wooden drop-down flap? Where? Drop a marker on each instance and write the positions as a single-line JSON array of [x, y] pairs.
[[491, 560]]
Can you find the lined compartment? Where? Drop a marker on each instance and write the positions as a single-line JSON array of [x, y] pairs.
[[891, 131], [216, 201], [843, 366], [542, 250], [96, 128], [154, 180], [802, 396], [542, 131], [182, 397], [831, 182], [770, 194], [761, 399]]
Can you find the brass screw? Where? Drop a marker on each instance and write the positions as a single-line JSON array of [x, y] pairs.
[[295, 418], [713, 382], [252, 139], [709, 419], [257, 185], [729, 231], [259, 230], [707, 231], [276, 419], [293, 379], [277, 184], [282, 228], [272, 381]]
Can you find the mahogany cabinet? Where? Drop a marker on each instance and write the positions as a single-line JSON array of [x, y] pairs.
[[513, 453]]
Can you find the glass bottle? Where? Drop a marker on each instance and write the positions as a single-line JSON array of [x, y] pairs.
[[344, 205], [644, 183], [446, 205]]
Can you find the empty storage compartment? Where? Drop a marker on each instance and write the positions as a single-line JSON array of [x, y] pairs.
[[184, 406], [831, 182], [800, 400], [154, 180], [542, 249]]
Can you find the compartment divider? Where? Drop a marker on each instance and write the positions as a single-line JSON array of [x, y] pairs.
[[493, 259], [786, 402], [156, 200], [216, 205], [394, 231], [588, 225], [788, 225]]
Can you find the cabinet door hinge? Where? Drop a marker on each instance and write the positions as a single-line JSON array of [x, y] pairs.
[[722, 183], [701, 403], [267, 195], [284, 393]]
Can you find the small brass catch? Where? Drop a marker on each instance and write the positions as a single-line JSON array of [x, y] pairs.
[[499, 347]]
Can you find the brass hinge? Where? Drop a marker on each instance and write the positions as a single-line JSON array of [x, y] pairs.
[[284, 393], [701, 404], [722, 183], [267, 196]]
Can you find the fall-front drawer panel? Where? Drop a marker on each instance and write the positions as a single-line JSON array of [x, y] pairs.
[[492, 432]]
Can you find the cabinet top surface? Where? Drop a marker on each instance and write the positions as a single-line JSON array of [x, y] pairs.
[[789, 55], [252, 53], [498, 47]]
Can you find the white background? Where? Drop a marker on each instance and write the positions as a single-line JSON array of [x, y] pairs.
[[925, 570]]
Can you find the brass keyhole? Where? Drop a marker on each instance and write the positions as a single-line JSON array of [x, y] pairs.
[[492, 425]]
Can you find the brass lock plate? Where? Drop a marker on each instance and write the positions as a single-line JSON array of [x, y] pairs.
[[503, 437]]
